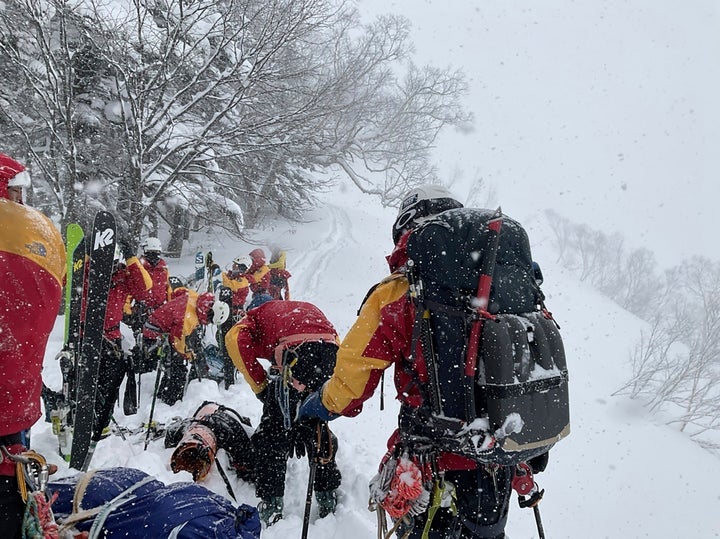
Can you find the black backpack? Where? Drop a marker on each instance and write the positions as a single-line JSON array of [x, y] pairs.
[[518, 390]]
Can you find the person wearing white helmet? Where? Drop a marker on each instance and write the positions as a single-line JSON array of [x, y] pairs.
[[32, 258], [383, 336], [160, 292], [236, 280], [419, 203]]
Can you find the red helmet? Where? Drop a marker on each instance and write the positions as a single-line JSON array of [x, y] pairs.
[[258, 259], [258, 256], [12, 173]]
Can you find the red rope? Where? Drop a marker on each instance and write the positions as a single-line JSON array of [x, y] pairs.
[[405, 487]]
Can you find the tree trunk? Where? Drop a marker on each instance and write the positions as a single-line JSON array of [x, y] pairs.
[[177, 233]]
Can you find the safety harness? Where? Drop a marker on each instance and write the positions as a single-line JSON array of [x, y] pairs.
[[32, 472]]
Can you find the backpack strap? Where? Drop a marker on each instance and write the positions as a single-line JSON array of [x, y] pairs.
[[422, 333]]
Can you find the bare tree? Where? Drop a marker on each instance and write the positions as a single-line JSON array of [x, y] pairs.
[[37, 40], [676, 365], [210, 113]]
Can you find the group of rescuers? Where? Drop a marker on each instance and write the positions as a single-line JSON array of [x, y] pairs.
[[314, 378]]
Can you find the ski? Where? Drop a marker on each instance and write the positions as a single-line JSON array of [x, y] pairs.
[[74, 236], [224, 294], [100, 265], [208, 272], [199, 276], [61, 414]]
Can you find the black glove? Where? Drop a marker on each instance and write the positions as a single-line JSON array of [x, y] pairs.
[[302, 438], [127, 247], [141, 362]]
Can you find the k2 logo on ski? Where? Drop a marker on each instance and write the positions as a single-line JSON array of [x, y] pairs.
[[104, 238]]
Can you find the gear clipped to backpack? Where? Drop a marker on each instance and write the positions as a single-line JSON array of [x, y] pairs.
[[497, 386]]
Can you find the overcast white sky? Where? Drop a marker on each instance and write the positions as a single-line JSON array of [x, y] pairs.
[[606, 111]]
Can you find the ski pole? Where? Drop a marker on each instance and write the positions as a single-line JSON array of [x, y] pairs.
[[538, 522], [311, 483], [225, 479], [155, 392]]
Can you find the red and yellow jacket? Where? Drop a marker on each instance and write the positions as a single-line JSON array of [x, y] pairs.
[[32, 270], [258, 274], [264, 332], [160, 291], [130, 280], [240, 287], [178, 318], [382, 336]]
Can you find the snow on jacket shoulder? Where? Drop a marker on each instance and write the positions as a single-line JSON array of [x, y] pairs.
[[32, 258]]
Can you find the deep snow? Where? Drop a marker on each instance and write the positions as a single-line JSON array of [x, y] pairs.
[[617, 475]]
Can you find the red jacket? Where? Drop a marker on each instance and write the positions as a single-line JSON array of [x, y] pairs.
[[267, 330], [160, 290], [32, 269], [178, 318], [259, 273], [130, 280], [382, 336]]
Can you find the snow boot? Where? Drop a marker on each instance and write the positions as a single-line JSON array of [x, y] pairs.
[[327, 501], [271, 510]]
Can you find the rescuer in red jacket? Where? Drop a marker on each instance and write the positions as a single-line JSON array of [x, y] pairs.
[[129, 278], [32, 258], [180, 319], [301, 343]]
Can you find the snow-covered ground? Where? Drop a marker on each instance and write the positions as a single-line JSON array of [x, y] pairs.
[[617, 475]]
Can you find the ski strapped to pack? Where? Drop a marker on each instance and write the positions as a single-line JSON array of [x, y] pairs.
[[481, 304]]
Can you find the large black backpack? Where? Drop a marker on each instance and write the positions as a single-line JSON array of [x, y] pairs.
[[519, 390]]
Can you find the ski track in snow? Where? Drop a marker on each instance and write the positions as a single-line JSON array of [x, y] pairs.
[[314, 261]]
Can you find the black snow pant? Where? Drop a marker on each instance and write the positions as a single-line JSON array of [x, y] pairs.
[[11, 508], [172, 386], [483, 498], [271, 449], [112, 371]]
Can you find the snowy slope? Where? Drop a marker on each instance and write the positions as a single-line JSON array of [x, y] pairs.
[[617, 475]]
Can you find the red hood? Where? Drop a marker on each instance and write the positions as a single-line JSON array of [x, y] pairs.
[[398, 258], [204, 304]]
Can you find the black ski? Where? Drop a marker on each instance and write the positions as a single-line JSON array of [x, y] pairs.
[[101, 253], [225, 295]]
